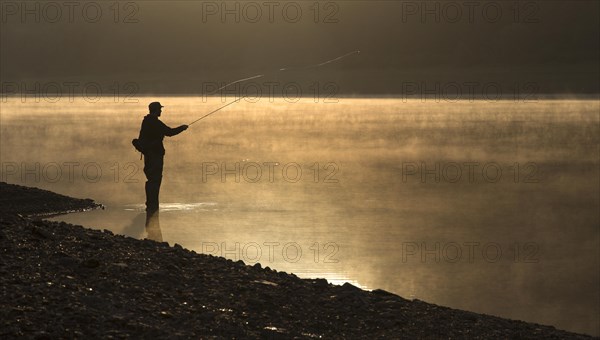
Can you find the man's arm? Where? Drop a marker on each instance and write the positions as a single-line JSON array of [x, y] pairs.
[[167, 131]]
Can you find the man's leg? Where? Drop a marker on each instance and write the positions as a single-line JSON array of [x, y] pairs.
[[153, 167]]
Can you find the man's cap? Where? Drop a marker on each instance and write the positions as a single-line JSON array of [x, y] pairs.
[[154, 106]]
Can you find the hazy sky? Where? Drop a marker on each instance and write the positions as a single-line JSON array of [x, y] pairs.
[[177, 46]]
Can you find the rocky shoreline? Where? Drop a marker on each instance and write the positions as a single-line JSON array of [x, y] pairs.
[[65, 281]]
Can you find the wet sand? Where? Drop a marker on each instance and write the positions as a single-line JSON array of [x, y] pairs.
[[62, 280]]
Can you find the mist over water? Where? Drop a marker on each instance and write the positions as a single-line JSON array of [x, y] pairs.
[[491, 207]]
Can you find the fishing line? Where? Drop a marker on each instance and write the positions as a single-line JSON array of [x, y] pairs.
[[320, 64], [288, 69], [283, 69]]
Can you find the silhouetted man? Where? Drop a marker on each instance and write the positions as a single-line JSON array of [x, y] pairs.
[[152, 133]]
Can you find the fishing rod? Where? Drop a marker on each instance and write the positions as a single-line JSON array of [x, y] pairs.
[[222, 107], [283, 69]]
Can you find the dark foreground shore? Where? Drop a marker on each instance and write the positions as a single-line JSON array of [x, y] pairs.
[[64, 281]]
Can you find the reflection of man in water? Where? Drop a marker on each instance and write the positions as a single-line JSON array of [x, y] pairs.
[[152, 133], [153, 226]]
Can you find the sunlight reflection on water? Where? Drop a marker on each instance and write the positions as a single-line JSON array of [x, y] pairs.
[[354, 215], [202, 206]]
